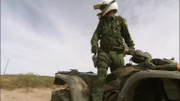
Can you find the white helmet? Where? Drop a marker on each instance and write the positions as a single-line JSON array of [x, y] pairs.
[[106, 6]]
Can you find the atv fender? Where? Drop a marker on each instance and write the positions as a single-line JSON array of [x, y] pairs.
[[79, 90], [133, 79]]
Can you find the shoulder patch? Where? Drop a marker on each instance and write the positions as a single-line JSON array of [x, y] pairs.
[[125, 22], [118, 22]]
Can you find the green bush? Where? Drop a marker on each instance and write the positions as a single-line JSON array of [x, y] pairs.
[[29, 80]]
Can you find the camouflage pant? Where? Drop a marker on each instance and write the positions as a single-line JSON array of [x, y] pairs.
[[113, 60]]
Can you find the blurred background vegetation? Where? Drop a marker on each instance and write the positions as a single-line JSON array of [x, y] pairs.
[[29, 80]]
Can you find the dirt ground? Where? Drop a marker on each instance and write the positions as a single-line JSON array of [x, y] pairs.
[[38, 94]]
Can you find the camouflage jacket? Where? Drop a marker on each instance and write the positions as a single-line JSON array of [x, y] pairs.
[[111, 31]]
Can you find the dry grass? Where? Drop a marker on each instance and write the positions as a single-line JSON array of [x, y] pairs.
[[25, 81]]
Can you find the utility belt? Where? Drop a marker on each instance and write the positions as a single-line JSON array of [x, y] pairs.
[[119, 49]]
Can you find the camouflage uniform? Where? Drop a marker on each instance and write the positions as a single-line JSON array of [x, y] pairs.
[[111, 31]]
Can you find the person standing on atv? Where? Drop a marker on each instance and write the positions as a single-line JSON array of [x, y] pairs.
[[112, 31]]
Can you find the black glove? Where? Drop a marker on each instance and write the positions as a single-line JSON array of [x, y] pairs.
[[94, 49]]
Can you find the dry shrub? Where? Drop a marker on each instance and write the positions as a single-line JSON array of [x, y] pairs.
[[25, 81]]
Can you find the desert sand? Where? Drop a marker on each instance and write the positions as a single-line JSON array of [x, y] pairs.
[[37, 94]]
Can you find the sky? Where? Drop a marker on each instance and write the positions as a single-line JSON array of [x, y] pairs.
[[46, 36]]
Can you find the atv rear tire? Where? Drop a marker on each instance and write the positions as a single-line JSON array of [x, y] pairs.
[[61, 95]]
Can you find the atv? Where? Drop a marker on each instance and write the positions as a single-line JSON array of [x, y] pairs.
[[143, 79]]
